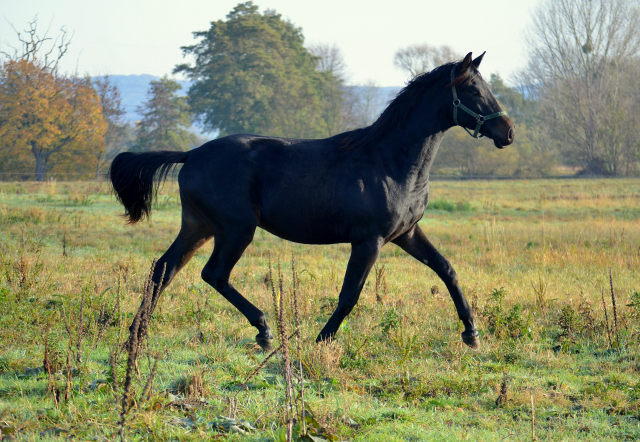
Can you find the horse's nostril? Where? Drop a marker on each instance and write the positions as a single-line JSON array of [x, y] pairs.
[[511, 135]]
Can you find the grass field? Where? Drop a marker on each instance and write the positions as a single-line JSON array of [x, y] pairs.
[[532, 256]]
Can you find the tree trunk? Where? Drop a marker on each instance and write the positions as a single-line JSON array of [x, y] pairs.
[[98, 167], [41, 162]]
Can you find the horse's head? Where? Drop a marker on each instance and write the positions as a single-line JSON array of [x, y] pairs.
[[474, 106]]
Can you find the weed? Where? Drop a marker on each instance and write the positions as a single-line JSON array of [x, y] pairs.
[[635, 304], [148, 386], [503, 397], [64, 244], [390, 320], [137, 332], [506, 323], [540, 291], [569, 324], [615, 310], [589, 325], [606, 317], [381, 283]]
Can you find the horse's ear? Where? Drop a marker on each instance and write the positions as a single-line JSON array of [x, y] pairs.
[[466, 63], [478, 60]]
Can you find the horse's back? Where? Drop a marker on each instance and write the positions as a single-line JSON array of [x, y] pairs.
[[258, 180]]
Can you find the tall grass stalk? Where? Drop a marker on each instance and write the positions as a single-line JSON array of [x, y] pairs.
[[296, 312], [606, 317], [615, 311]]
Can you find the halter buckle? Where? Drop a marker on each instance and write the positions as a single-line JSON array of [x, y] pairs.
[[456, 102], [480, 119]]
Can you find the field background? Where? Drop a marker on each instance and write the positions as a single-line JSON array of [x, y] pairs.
[[532, 256]]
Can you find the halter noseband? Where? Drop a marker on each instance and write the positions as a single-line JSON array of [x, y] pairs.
[[479, 118]]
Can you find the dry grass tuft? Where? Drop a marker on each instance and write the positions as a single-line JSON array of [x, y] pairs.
[[322, 360], [191, 386]]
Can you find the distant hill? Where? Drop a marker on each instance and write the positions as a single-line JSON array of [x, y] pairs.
[[133, 90]]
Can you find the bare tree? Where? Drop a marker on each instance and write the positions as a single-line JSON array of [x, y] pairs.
[[32, 46], [118, 133], [420, 58], [329, 59], [330, 63], [363, 104], [581, 63]]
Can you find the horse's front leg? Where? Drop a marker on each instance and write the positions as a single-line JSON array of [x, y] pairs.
[[416, 244], [363, 256]]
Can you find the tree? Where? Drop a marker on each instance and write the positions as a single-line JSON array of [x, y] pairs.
[[329, 59], [330, 64], [419, 58], [166, 117], [363, 105], [252, 74], [536, 156], [44, 112], [583, 68], [117, 134], [527, 156], [47, 114]]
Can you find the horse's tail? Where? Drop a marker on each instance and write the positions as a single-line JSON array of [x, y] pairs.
[[132, 176]]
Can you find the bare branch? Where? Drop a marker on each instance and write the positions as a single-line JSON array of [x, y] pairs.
[[329, 59], [32, 45], [420, 58], [581, 54]]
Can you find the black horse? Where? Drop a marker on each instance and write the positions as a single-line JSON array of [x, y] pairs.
[[366, 187]]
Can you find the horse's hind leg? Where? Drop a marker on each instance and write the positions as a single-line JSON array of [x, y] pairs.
[[177, 256], [188, 241], [416, 244], [227, 251]]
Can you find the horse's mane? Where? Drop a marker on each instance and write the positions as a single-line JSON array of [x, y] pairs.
[[398, 110]]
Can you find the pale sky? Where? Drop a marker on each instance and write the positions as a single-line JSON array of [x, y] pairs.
[[119, 37]]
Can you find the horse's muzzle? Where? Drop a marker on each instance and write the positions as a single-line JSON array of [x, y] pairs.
[[501, 144]]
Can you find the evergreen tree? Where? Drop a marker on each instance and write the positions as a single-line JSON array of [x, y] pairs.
[[252, 74], [165, 119]]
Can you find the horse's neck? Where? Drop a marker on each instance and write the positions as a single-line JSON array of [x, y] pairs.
[[410, 152]]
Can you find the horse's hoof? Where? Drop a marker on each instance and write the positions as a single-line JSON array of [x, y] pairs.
[[264, 340], [471, 341]]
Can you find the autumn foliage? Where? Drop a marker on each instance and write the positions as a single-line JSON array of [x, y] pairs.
[[48, 122]]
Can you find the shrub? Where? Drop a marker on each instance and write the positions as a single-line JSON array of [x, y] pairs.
[[450, 206]]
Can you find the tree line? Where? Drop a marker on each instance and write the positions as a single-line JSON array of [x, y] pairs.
[[73, 125], [576, 104]]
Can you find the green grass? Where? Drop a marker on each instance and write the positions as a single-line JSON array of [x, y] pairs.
[[532, 256]]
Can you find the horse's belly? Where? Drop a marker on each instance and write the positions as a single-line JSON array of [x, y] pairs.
[[306, 228], [306, 210]]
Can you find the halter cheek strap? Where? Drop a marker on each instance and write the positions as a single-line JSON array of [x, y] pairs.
[[479, 118]]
